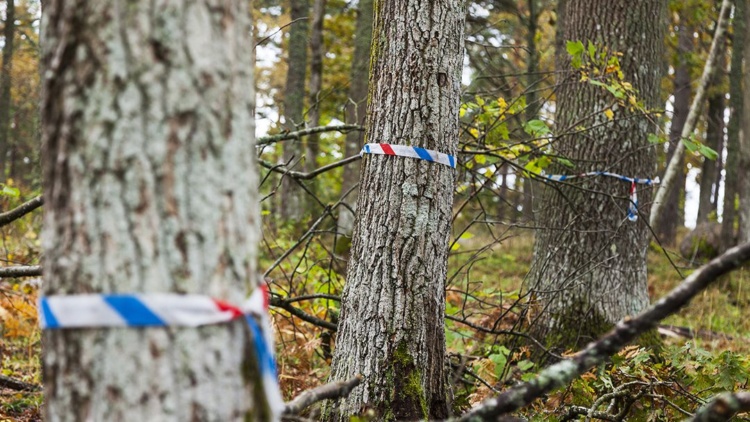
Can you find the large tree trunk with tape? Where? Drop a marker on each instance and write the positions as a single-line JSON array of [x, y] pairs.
[[589, 266], [391, 322], [150, 186]]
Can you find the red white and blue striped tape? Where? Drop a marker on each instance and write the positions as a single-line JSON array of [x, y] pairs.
[[632, 206], [169, 310], [409, 151]]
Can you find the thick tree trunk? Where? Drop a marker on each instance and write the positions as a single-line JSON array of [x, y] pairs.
[[5, 83], [674, 215], [149, 186], [392, 316], [589, 260], [292, 196], [736, 106], [316, 82], [356, 110], [744, 230]]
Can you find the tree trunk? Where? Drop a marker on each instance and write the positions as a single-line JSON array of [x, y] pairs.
[[316, 82], [732, 169], [709, 170], [589, 260], [674, 215], [149, 186], [5, 85], [532, 109], [292, 196], [356, 108], [744, 230], [392, 316]]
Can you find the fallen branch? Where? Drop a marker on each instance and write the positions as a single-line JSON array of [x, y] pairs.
[[723, 407], [21, 271], [329, 391], [265, 140], [18, 212], [14, 384], [627, 330]]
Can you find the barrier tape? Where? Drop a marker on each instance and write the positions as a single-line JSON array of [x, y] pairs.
[[632, 206], [412, 152], [170, 310]]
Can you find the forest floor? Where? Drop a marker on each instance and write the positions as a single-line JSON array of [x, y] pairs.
[[484, 291]]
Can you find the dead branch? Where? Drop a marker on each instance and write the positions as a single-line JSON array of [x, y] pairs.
[[332, 390], [14, 384], [265, 140], [306, 176], [18, 212], [21, 271], [627, 330]]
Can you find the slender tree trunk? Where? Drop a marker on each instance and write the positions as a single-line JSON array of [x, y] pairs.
[[149, 186], [674, 215], [392, 315], [316, 81], [589, 260], [356, 110], [532, 110], [744, 231], [732, 169], [5, 85], [292, 196], [709, 170]]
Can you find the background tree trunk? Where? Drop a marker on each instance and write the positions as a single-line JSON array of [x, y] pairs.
[[710, 170], [5, 81], [292, 196], [392, 316], [356, 109], [744, 231], [674, 215], [149, 186], [316, 82], [731, 174], [589, 266]]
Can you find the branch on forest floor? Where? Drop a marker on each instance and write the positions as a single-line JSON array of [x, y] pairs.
[[329, 391], [627, 330], [265, 140], [18, 212], [723, 407], [21, 271], [14, 384]]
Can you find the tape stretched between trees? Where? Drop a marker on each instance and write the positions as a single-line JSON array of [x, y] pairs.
[[411, 152]]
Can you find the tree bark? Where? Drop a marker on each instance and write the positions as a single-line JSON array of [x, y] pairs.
[[5, 84], [732, 169], [150, 186], [674, 215], [356, 109], [292, 196], [709, 170], [532, 109], [744, 230], [392, 316], [589, 260]]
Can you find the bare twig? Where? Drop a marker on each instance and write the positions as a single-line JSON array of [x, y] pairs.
[[265, 140], [627, 330], [21, 271], [332, 390], [18, 212], [305, 176], [723, 407], [14, 384], [304, 316]]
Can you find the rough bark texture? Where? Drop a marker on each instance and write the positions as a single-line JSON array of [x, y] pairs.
[[589, 260], [292, 196], [392, 316], [674, 215], [744, 230], [732, 168], [5, 82], [150, 186], [356, 109]]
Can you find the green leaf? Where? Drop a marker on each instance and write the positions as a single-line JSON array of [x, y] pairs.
[[708, 152], [575, 49], [565, 162], [536, 128], [655, 139], [10, 191], [592, 50]]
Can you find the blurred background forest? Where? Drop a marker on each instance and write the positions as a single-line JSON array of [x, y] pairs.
[[313, 59]]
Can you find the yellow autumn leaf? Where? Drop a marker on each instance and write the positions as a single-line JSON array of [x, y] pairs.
[[609, 113]]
